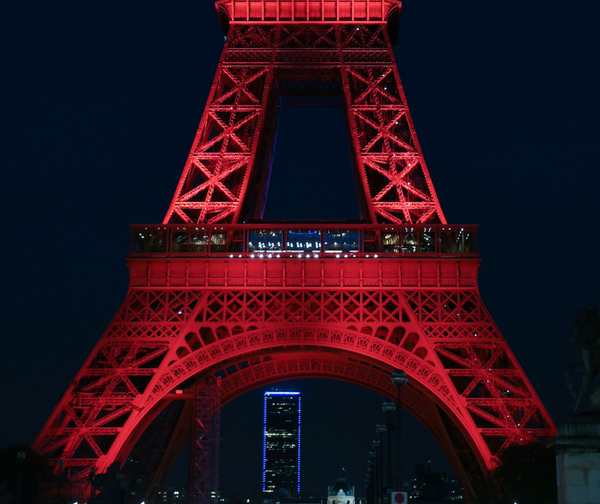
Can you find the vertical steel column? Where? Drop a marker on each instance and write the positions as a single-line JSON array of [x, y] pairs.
[[204, 444]]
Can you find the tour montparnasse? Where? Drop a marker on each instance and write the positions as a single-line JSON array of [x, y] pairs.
[[221, 302]]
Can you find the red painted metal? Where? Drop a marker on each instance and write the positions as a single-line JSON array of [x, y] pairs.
[[232, 151], [203, 487], [213, 298], [307, 11]]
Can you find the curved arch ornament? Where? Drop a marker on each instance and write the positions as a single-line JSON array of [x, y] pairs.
[[301, 339], [348, 301]]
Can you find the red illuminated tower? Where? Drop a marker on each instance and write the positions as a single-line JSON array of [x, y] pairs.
[[213, 298]]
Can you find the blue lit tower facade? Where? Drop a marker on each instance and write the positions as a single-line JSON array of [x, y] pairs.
[[281, 442]]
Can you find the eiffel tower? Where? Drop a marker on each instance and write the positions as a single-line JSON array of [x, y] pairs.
[[219, 297]]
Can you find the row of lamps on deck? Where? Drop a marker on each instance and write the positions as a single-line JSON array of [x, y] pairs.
[[377, 492]]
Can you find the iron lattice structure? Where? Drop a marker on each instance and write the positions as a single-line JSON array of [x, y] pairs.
[[283, 57], [212, 298], [205, 435]]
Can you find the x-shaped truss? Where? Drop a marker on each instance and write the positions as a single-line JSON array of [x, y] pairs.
[[235, 133]]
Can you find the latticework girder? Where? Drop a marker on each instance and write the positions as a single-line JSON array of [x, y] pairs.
[[229, 165], [204, 443]]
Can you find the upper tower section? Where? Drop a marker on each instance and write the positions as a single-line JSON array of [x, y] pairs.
[[311, 11], [307, 11], [282, 53]]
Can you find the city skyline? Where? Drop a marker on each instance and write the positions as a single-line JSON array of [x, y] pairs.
[[352, 411]]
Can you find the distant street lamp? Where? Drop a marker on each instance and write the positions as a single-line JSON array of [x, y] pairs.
[[372, 476], [388, 407], [380, 429], [377, 445], [20, 459], [369, 481], [399, 378], [61, 464]]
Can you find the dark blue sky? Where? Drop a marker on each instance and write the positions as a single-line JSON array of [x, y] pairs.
[[101, 101]]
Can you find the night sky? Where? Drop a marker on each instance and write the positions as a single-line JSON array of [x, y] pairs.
[[101, 101]]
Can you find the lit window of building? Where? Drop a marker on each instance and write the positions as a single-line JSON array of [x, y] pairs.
[[281, 443]]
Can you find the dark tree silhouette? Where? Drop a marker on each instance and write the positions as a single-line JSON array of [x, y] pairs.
[[526, 475], [22, 470]]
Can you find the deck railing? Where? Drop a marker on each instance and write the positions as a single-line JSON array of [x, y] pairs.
[[303, 240]]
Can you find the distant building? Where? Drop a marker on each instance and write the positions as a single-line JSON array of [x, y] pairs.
[[172, 496], [340, 493], [281, 443]]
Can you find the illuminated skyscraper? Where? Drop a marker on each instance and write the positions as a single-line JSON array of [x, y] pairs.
[[281, 442]]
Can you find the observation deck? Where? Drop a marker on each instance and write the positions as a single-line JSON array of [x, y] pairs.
[[305, 240], [303, 255]]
